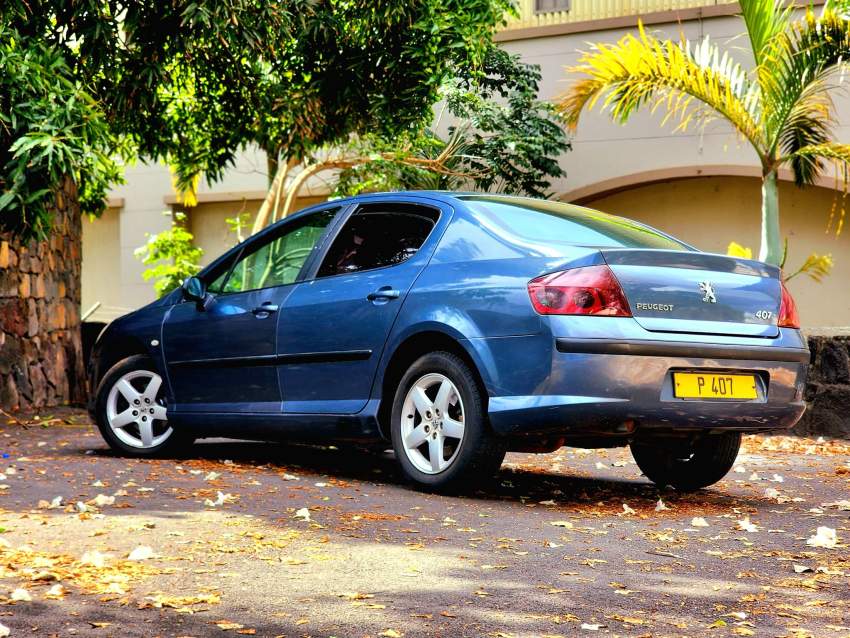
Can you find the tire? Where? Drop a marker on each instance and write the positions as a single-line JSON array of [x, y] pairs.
[[689, 466], [475, 456], [113, 407]]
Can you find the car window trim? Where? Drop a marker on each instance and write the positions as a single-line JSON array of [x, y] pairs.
[[325, 241], [269, 237], [229, 272], [353, 209]]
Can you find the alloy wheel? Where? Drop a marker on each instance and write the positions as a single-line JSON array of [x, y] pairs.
[[432, 423], [136, 411]]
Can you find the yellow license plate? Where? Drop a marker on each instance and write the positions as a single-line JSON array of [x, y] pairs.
[[699, 385]]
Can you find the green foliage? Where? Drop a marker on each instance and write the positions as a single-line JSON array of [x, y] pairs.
[[50, 129], [343, 67], [737, 250], [816, 266], [239, 225], [171, 255], [193, 82], [502, 137]]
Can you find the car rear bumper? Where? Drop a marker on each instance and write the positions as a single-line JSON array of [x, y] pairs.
[[652, 348], [595, 387]]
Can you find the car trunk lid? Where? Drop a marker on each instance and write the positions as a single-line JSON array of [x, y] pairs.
[[699, 293]]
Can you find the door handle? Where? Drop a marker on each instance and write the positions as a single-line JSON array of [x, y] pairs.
[[264, 310], [385, 293]]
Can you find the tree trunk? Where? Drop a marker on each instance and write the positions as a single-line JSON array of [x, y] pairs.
[[271, 166], [41, 361], [771, 240]]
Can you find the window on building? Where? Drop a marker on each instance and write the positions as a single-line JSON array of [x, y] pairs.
[[550, 6]]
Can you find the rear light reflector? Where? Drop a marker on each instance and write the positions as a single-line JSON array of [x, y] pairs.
[[788, 317], [592, 290]]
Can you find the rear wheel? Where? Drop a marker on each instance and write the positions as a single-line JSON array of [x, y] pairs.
[[131, 411], [439, 431], [687, 465]]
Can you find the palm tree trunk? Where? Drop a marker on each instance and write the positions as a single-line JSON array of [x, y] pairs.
[[771, 240]]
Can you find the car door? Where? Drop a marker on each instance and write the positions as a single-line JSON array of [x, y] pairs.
[[334, 326], [222, 358]]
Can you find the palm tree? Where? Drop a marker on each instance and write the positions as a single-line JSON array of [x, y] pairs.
[[782, 106]]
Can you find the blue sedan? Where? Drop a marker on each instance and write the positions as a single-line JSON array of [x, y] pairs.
[[460, 326]]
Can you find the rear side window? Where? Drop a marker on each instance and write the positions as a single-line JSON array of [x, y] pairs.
[[545, 221], [377, 238]]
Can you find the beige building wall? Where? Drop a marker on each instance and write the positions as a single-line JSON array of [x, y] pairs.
[[207, 222], [709, 212], [102, 266]]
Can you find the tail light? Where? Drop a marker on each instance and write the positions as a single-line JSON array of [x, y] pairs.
[[593, 290], [788, 317]]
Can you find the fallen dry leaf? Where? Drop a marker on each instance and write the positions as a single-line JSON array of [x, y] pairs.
[[21, 595], [142, 552], [824, 537]]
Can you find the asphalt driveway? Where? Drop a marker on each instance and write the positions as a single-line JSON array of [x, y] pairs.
[[276, 540]]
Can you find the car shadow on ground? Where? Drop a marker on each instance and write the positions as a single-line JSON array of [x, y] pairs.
[[522, 478]]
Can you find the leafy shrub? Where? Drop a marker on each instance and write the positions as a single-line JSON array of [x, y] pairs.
[[171, 255]]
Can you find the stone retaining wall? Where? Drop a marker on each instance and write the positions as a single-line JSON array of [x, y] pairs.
[[40, 356], [828, 390]]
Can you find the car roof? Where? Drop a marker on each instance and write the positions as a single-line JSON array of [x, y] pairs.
[[439, 195]]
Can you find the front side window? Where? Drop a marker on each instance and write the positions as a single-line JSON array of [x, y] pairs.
[[376, 238], [278, 261]]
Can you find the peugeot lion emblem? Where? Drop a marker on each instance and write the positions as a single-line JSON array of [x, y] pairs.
[[707, 290]]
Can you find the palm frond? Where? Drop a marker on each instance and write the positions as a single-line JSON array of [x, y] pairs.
[[809, 124], [816, 266], [766, 20], [839, 155], [688, 82], [737, 250], [795, 79], [841, 7]]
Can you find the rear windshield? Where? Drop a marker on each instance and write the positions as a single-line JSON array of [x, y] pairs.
[[544, 221]]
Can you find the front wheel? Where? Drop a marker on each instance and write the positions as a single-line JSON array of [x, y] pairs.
[[687, 465], [439, 431], [131, 411]]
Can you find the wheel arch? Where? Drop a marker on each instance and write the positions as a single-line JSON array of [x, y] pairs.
[[409, 349], [110, 350]]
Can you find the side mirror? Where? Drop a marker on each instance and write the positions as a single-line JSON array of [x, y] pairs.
[[195, 290]]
